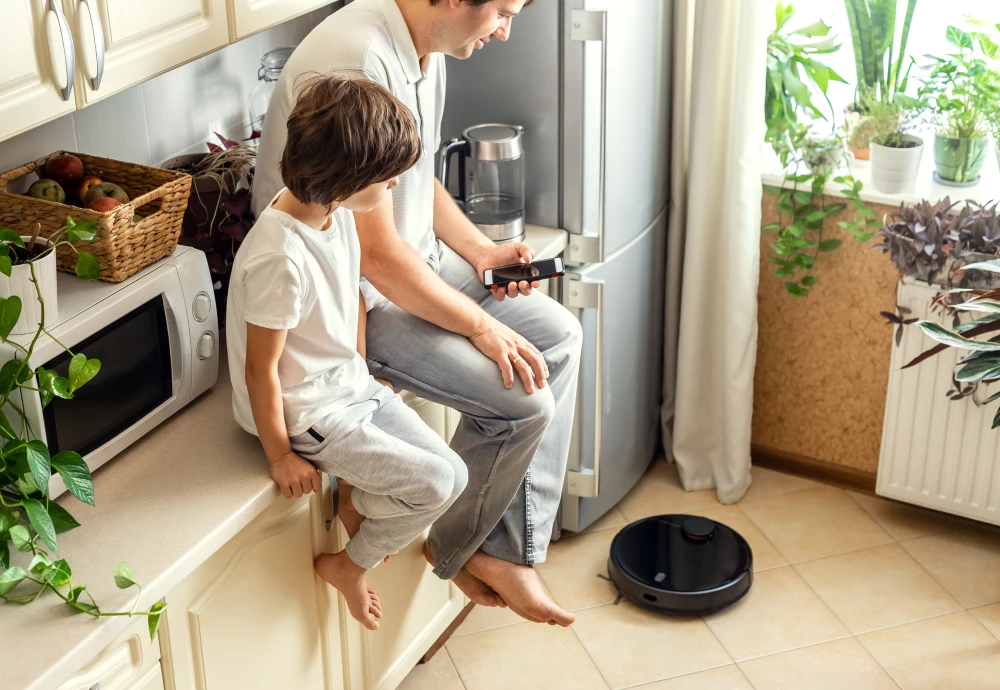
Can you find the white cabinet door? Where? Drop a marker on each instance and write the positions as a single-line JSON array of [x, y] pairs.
[[250, 16], [253, 615], [37, 66], [124, 42], [131, 662]]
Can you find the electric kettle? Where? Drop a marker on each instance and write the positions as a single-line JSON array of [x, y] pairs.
[[490, 178]]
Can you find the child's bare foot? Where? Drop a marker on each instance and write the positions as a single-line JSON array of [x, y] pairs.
[[478, 591], [348, 514], [520, 587], [349, 579]]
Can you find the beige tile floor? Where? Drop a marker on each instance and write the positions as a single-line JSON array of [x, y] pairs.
[[850, 592]]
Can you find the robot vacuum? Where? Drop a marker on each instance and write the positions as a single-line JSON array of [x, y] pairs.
[[681, 564]]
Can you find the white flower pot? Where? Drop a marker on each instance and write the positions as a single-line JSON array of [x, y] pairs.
[[20, 284], [895, 170]]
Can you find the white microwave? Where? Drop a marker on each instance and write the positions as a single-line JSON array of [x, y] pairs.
[[157, 337]]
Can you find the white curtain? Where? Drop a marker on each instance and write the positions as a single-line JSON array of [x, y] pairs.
[[714, 241]]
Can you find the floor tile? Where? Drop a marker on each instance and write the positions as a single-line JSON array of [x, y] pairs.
[[990, 617], [814, 523], [631, 645], [765, 556], [437, 674], [528, 656], [722, 678], [950, 652], [839, 665], [966, 562], [570, 571], [877, 588], [660, 492], [903, 521], [613, 519], [779, 613], [771, 483], [489, 617]]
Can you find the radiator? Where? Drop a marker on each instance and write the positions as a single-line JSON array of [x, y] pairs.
[[936, 453]]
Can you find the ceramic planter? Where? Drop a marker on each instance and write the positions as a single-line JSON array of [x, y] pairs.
[[829, 157], [19, 284], [895, 170], [958, 161]]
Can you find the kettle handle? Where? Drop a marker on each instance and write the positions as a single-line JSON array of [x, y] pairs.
[[447, 151]]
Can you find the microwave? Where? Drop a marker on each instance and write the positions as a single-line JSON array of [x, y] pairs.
[[157, 337]]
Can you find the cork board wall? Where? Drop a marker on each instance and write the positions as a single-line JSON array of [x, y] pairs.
[[823, 360]]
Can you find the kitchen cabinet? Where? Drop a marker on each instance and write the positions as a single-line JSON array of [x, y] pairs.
[[128, 663], [120, 43], [38, 64], [250, 16]]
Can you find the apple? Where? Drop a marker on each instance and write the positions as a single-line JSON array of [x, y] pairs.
[[104, 204], [84, 185], [49, 190], [64, 169], [105, 189]]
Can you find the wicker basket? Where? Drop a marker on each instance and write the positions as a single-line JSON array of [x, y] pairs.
[[122, 247]]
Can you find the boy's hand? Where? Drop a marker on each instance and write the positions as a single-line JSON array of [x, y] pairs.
[[294, 475]]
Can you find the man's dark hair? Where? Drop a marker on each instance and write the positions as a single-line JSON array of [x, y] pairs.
[[345, 135]]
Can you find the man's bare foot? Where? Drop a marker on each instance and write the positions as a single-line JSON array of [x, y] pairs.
[[478, 591], [519, 586], [349, 515], [349, 579]]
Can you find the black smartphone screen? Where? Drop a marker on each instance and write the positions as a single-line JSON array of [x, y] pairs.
[[534, 271]]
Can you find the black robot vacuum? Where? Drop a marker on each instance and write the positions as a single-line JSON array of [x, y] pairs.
[[681, 564]]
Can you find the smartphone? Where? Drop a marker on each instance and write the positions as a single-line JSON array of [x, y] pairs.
[[537, 270]]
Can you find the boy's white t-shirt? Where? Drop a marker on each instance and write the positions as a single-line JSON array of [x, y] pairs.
[[287, 275]]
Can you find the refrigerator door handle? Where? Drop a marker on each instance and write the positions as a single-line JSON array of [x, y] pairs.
[[592, 25], [589, 294]]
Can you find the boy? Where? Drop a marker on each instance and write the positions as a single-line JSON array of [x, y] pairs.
[[299, 382]]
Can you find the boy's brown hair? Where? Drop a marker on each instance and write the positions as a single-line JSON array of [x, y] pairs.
[[345, 135]]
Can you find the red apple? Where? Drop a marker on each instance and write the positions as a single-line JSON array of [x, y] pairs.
[[105, 189], [64, 169], [49, 190], [104, 204], [84, 185]]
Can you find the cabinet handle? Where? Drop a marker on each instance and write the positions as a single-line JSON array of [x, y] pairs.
[[95, 23], [69, 50]]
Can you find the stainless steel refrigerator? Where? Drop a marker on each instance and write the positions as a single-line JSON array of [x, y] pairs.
[[590, 81]]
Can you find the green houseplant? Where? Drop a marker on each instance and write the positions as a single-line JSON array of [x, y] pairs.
[[895, 150], [795, 76], [882, 66], [959, 89], [29, 519]]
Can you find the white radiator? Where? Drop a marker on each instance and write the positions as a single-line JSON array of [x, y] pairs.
[[936, 453]]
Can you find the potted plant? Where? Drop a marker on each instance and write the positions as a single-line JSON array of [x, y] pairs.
[[959, 88], [29, 521], [882, 67], [895, 151]]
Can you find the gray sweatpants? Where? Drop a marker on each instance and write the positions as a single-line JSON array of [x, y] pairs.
[[404, 475]]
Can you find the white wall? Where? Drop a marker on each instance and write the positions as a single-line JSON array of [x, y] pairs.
[[171, 114]]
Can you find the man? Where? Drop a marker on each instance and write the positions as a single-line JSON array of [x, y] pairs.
[[433, 328]]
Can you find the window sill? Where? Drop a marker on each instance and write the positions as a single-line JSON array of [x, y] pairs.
[[987, 190]]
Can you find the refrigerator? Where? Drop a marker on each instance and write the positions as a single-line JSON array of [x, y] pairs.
[[590, 80]]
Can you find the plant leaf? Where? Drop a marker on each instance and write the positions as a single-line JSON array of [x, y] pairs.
[[9, 370], [83, 231], [5, 429], [61, 519], [993, 397], [951, 339], [10, 579], [21, 538], [37, 456], [154, 618], [7, 520], [996, 420], [76, 475], [4, 553], [5, 265], [978, 369], [795, 290], [40, 563], [41, 521], [61, 573], [10, 310], [829, 245], [82, 370], [123, 576], [87, 267], [8, 235]]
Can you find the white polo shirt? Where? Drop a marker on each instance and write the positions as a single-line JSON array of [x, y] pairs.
[[366, 39]]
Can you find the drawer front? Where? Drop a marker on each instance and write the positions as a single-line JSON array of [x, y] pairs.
[[131, 662]]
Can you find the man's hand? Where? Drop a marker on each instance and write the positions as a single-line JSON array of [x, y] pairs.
[[506, 254], [294, 475], [512, 353]]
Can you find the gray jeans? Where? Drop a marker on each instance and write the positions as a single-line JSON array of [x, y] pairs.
[[515, 445], [404, 475]]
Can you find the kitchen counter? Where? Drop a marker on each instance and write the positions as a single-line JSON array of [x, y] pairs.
[[164, 506]]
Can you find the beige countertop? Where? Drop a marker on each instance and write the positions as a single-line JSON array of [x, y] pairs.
[[164, 506]]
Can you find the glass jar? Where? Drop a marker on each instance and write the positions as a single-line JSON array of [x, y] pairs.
[[271, 64]]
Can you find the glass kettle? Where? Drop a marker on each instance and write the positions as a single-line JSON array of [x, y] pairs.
[[490, 178]]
